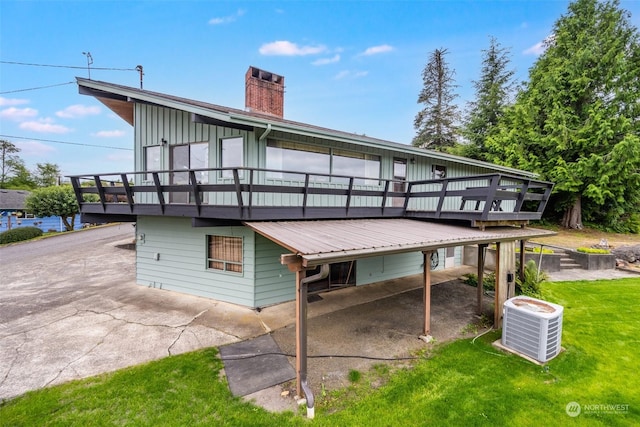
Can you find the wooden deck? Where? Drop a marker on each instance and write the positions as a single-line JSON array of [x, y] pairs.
[[247, 194]]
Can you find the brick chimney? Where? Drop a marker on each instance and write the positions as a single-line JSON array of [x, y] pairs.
[[264, 92]]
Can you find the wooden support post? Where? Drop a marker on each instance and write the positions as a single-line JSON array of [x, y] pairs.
[[301, 331], [482, 251], [505, 269], [427, 292], [497, 306], [521, 270]]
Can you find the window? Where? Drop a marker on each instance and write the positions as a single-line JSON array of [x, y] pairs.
[[232, 155], [362, 165], [152, 160], [294, 157], [399, 177], [438, 172], [225, 253], [183, 158]]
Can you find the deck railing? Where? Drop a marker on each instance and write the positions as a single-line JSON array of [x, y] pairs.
[[267, 194]]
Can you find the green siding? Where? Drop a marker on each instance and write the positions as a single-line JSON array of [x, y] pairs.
[[182, 264], [274, 282], [377, 269]]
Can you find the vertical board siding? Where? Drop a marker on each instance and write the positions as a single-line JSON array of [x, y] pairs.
[[378, 269], [182, 263], [274, 282]]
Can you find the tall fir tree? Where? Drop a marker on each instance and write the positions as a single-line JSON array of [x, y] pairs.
[[577, 121], [493, 93], [437, 123]]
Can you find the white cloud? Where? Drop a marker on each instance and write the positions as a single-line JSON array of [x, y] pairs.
[[226, 19], [286, 48], [325, 61], [109, 134], [539, 48], [5, 102], [350, 74], [34, 148], [44, 126], [78, 110], [375, 50], [18, 114]]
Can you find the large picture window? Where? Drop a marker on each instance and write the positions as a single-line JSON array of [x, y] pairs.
[[231, 154], [362, 165], [294, 157], [224, 253]]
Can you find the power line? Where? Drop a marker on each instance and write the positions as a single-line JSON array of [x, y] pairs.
[[67, 66], [66, 142], [36, 88]]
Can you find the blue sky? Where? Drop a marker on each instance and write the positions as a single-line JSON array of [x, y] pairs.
[[349, 65]]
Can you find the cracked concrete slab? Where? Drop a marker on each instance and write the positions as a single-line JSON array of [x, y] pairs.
[[71, 309]]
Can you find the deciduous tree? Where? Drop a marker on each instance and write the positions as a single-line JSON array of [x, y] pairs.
[[54, 201]]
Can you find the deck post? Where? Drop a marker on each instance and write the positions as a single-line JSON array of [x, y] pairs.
[[426, 255], [482, 251], [505, 274], [521, 269]]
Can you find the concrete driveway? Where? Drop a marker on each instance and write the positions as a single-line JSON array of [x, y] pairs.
[[70, 308]]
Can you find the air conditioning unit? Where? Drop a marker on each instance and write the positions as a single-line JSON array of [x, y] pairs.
[[532, 327]]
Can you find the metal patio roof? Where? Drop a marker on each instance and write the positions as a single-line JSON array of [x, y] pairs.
[[329, 241]]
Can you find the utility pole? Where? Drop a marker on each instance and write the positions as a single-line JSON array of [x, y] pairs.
[[89, 62]]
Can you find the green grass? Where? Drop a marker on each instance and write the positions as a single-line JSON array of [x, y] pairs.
[[466, 382]]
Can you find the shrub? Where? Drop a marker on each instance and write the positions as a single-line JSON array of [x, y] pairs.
[[488, 281], [594, 251], [19, 234], [536, 250], [530, 286]]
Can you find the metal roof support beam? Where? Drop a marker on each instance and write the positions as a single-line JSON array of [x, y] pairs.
[[426, 259]]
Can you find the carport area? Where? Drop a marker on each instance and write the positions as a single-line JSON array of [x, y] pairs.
[[316, 244]]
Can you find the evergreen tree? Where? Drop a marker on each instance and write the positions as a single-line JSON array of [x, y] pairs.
[[7, 157], [436, 124], [46, 174], [493, 93], [577, 122]]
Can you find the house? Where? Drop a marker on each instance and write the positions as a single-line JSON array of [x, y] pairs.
[[248, 207], [12, 201], [205, 173]]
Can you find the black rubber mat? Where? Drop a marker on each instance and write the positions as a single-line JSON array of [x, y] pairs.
[[251, 366]]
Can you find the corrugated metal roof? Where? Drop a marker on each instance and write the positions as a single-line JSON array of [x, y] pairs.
[[320, 242]]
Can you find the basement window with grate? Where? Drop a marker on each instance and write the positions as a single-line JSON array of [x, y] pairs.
[[224, 253]]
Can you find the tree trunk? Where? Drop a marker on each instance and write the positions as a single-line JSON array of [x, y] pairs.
[[573, 215], [67, 225]]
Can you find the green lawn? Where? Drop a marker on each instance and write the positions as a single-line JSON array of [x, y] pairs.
[[466, 382]]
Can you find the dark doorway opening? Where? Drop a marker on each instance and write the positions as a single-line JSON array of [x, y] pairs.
[[341, 275]]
